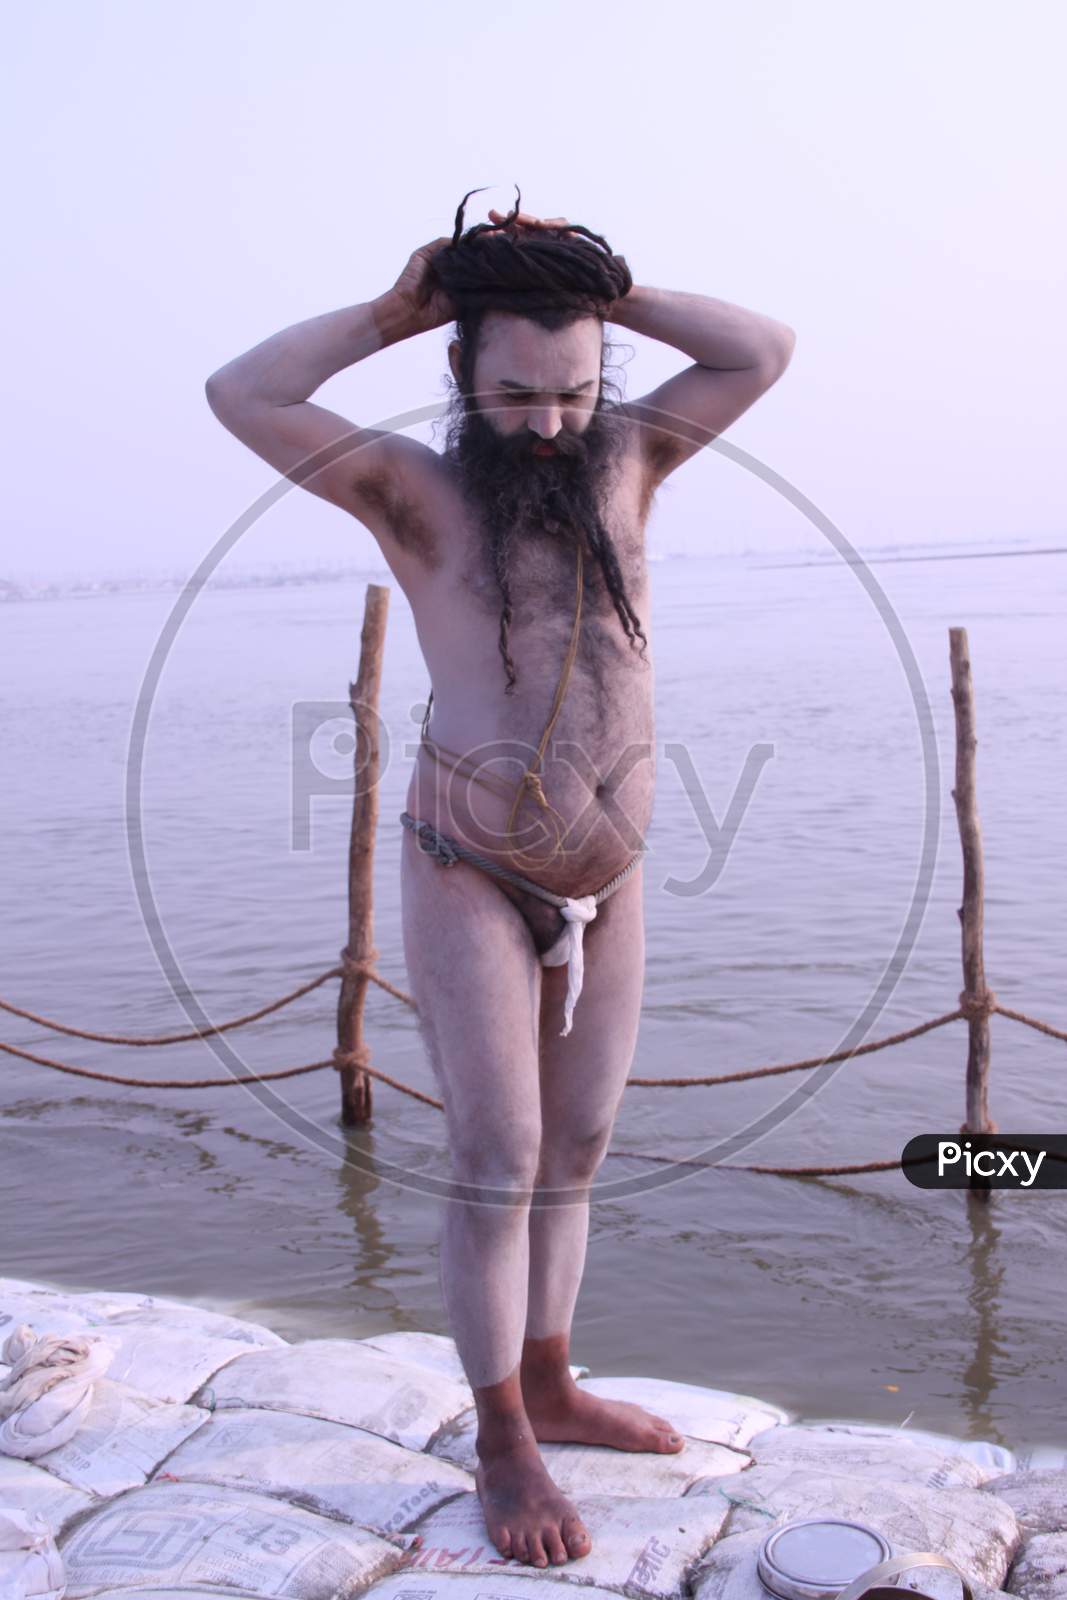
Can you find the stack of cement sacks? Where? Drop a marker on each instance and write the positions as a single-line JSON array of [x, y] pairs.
[[208, 1457]]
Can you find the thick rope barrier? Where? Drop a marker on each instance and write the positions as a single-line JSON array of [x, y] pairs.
[[970, 1005], [218, 1027], [161, 1083], [799, 1066]]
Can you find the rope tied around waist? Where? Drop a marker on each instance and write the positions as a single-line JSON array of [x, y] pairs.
[[448, 851], [576, 911]]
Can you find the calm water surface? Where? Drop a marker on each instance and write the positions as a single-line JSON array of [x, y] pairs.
[[822, 921]]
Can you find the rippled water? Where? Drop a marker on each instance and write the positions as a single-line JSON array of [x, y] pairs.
[[824, 921]]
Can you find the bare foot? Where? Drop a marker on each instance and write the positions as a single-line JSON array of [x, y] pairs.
[[527, 1517], [574, 1415]]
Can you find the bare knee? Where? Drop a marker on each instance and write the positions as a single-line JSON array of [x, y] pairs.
[[571, 1156], [493, 1161]]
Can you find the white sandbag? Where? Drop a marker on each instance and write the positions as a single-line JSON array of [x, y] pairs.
[[336, 1470], [93, 1305], [122, 1438], [712, 1414], [1039, 1499], [165, 1363], [508, 1584], [101, 1304], [58, 1311], [728, 1572], [191, 1319], [344, 1380], [893, 1453], [589, 1469], [642, 1548], [46, 1394], [975, 1530], [433, 1350], [993, 1459], [44, 1310], [595, 1469], [31, 1567], [28, 1486], [1040, 1573], [186, 1535]]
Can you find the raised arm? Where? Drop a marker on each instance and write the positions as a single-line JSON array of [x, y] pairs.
[[262, 398], [737, 356]]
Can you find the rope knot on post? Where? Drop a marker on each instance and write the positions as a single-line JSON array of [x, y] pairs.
[[982, 1004], [357, 1059], [351, 968]]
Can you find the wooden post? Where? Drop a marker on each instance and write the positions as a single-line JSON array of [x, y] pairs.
[[976, 998], [363, 698]]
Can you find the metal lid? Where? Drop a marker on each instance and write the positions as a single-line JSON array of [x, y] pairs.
[[814, 1558]]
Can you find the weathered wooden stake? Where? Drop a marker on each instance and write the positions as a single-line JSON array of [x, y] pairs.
[[976, 997], [363, 698]]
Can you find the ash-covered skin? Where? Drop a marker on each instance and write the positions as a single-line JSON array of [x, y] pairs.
[[516, 488]]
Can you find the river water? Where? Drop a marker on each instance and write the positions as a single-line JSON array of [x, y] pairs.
[[803, 709]]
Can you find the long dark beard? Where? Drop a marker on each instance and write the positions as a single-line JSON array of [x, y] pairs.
[[516, 494]]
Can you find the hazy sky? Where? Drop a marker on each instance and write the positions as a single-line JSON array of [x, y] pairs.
[[185, 179]]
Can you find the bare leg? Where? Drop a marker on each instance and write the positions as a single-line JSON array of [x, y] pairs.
[[582, 1081], [476, 980]]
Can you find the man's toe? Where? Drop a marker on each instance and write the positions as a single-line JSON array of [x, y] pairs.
[[670, 1438], [575, 1537], [554, 1546]]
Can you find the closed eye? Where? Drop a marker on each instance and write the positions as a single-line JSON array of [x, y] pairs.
[[525, 394]]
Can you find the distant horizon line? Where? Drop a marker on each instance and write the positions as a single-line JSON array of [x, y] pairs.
[[945, 555], [278, 574]]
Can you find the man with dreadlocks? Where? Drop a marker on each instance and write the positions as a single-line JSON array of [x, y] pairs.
[[520, 547]]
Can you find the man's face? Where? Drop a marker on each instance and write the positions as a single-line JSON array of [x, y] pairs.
[[535, 442], [534, 385]]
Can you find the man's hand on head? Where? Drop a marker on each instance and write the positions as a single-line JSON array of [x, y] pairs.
[[416, 291], [526, 219]]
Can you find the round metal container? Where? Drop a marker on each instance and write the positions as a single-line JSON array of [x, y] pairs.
[[815, 1558]]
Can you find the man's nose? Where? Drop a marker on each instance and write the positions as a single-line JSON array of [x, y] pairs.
[[545, 421]]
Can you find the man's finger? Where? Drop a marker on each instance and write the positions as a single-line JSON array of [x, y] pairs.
[[526, 219]]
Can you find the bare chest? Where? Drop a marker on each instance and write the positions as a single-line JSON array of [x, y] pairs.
[[536, 575], [529, 600]]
